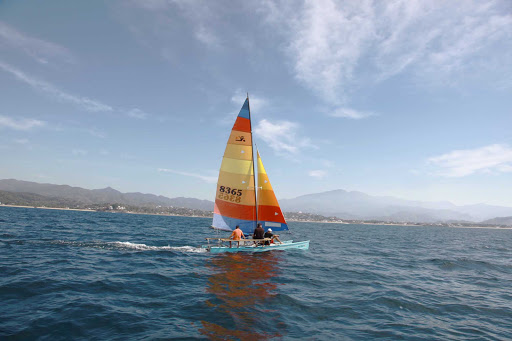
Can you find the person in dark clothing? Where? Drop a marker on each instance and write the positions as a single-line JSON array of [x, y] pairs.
[[269, 234], [258, 232]]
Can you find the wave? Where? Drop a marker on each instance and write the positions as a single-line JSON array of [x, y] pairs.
[[131, 246], [144, 247], [466, 263]]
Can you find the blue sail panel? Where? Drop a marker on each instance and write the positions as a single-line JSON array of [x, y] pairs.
[[244, 112], [229, 224]]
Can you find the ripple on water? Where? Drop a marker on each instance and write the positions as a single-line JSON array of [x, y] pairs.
[[84, 275]]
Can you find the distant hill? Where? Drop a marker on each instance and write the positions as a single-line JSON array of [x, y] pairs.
[[31, 199], [100, 196], [358, 205], [501, 221]]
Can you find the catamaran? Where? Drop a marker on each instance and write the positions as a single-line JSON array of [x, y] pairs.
[[238, 202]]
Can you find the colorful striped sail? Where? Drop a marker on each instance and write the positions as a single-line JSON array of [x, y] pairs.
[[235, 200], [269, 212]]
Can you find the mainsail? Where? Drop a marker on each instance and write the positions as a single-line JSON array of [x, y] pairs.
[[235, 200], [269, 212]]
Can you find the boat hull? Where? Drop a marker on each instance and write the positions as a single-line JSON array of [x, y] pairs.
[[285, 246]]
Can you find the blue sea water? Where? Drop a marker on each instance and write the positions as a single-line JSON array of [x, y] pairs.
[[90, 275]]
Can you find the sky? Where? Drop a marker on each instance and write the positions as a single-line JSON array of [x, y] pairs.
[[403, 98]]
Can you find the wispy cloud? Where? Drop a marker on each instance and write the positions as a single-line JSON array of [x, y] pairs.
[[82, 102], [256, 102], [350, 113], [338, 46], [327, 40], [200, 16], [458, 163], [318, 173], [207, 37], [40, 50], [282, 136], [22, 141], [96, 132], [137, 113], [20, 124], [79, 152], [209, 179]]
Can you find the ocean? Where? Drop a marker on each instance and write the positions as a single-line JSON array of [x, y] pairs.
[[103, 276]]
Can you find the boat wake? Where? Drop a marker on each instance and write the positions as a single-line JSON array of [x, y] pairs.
[[128, 246], [144, 247]]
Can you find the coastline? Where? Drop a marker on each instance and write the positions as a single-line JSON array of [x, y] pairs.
[[86, 210], [298, 221]]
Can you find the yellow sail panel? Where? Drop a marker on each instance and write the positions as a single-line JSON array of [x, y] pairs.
[[233, 180], [240, 138], [269, 212], [266, 197], [237, 166], [240, 152], [264, 182]]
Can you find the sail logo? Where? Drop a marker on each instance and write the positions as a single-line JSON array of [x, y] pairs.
[[240, 138]]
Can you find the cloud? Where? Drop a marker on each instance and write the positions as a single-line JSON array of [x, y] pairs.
[[62, 96], [207, 37], [22, 141], [257, 103], [137, 113], [84, 103], [20, 124], [319, 174], [79, 152], [282, 136], [40, 50], [209, 179], [199, 15], [336, 47], [327, 40], [350, 113], [96, 132], [458, 163]]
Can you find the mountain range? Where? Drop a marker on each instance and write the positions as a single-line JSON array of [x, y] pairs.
[[106, 195], [339, 203], [358, 205]]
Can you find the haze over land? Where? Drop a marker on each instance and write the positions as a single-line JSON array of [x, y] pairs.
[[404, 98], [338, 203]]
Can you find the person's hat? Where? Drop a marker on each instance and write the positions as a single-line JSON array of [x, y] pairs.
[[269, 229]]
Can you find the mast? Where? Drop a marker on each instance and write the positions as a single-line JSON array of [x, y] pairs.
[[253, 166]]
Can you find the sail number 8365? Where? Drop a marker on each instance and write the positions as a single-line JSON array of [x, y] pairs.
[[230, 194]]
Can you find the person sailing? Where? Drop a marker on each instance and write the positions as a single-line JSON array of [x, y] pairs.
[[236, 235], [258, 233], [269, 234]]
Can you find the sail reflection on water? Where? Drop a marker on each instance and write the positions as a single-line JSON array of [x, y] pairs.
[[241, 285]]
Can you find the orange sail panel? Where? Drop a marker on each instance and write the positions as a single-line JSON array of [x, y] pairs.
[[235, 200], [269, 212]]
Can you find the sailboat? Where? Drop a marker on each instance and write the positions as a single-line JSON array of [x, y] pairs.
[[238, 202]]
